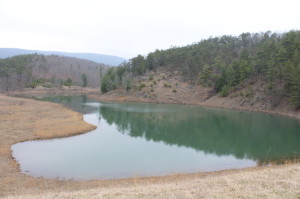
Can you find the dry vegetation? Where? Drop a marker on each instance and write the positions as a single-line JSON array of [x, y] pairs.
[[159, 87], [253, 96], [164, 86], [23, 119], [275, 182]]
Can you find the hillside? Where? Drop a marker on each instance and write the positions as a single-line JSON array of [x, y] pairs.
[[258, 71], [98, 58], [35, 70]]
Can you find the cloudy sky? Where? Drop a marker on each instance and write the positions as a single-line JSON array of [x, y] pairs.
[[129, 27]]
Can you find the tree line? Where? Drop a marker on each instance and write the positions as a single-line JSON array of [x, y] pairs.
[[34, 70], [222, 63]]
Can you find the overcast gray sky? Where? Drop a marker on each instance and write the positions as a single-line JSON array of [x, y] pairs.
[[129, 27]]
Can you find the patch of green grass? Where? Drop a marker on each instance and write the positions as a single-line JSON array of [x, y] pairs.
[[249, 93], [225, 91], [167, 85], [141, 86]]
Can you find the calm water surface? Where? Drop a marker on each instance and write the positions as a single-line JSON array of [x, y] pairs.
[[154, 139]]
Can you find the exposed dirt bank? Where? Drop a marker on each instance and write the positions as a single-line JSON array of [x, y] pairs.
[[24, 119], [230, 102], [166, 87]]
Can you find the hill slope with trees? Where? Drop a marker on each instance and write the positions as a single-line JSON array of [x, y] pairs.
[[48, 71], [256, 67]]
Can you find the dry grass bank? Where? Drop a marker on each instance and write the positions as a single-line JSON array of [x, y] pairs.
[[275, 182], [24, 119]]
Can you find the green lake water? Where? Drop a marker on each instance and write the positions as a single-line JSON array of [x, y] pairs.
[[134, 139]]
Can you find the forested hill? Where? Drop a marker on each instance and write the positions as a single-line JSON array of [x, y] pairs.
[[49, 71], [223, 64], [99, 58]]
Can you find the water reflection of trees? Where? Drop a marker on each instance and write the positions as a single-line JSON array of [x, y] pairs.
[[260, 137]]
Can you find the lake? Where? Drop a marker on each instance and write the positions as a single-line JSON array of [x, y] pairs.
[[135, 139]]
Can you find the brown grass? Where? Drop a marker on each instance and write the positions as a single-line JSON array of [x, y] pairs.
[[275, 182], [165, 87], [23, 119]]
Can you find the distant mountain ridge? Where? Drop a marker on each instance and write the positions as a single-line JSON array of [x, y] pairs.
[[99, 58]]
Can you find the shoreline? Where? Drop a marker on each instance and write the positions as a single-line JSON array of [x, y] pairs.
[[37, 120], [55, 185], [295, 115], [95, 94], [255, 110]]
